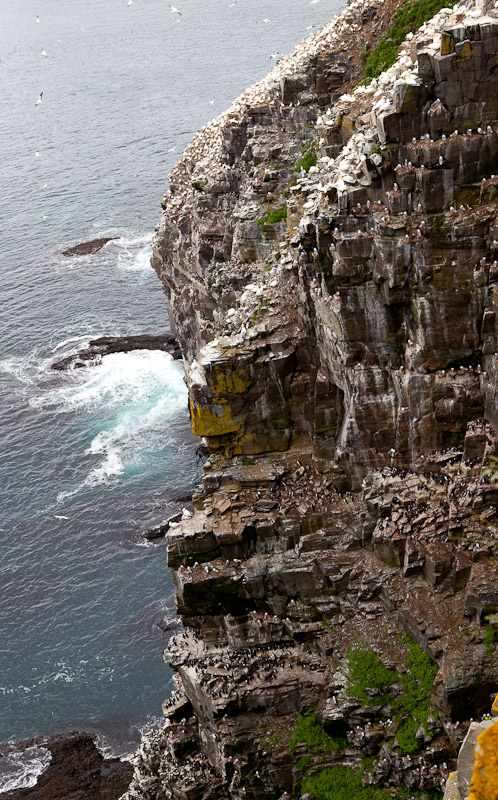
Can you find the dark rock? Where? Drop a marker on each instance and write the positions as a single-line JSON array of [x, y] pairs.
[[77, 771], [158, 531], [119, 344], [87, 248]]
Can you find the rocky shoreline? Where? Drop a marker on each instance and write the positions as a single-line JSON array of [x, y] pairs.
[[329, 258], [76, 770]]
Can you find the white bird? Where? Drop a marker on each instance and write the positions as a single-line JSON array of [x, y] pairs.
[[38, 19], [130, 2], [314, 2], [273, 56], [266, 20], [59, 516], [232, 4], [44, 186], [43, 53], [174, 10], [39, 101], [37, 155]]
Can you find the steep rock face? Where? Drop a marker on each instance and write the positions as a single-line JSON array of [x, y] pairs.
[[339, 332]]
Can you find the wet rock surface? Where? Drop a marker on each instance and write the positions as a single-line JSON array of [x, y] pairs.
[[97, 348], [341, 364], [77, 771], [88, 248]]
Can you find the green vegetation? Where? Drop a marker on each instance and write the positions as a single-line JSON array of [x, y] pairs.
[[248, 462], [272, 216], [492, 468], [367, 672], [339, 783], [264, 304], [308, 158], [490, 638], [309, 732], [414, 706], [407, 19]]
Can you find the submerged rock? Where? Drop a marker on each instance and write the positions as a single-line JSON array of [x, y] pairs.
[[87, 248], [97, 348]]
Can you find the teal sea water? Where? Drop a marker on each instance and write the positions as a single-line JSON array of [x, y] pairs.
[[91, 458]]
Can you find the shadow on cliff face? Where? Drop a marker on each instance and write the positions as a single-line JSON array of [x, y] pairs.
[[471, 701]]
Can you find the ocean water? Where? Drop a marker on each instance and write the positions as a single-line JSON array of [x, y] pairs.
[[92, 457]]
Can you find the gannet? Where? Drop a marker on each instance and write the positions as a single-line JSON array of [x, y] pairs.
[[43, 53], [38, 102], [174, 10]]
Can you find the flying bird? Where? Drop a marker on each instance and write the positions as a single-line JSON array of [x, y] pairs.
[[59, 516], [232, 4], [43, 53], [174, 10], [266, 20], [39, 101]]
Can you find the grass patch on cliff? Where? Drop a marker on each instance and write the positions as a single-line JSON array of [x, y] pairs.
[[308, 159], [414, 706], [370, 679], [309, 732], [368, 675], [490, 638], [340, 783], [272, 216], [407, 19]]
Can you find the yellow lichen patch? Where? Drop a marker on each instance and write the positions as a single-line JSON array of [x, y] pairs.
[[465, 53], [447, 44], [494, 707], [223, 383], [206, 422], [485, 776]]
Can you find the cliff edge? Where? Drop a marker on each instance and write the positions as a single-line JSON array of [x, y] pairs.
[[329, 251]]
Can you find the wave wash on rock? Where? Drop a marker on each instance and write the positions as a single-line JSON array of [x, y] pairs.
[[330, 257]]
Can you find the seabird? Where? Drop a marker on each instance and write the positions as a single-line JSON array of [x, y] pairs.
[[38, 102], [43, 53], [266, 20], [38, 19], [174, 10], [59, 516]]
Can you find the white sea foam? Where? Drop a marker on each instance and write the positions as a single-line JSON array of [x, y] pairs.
[[140, 261], [20, 769], [130, 396], [82, 342]]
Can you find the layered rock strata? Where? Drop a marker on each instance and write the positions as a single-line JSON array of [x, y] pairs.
[[339, 332]]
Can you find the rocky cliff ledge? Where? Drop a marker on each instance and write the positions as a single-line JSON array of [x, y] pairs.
[[330, 257]]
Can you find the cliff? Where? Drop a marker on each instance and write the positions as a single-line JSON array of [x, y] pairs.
[[329, 253]]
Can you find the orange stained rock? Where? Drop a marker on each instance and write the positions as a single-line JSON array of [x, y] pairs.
[[485, 776], [494, 707]]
